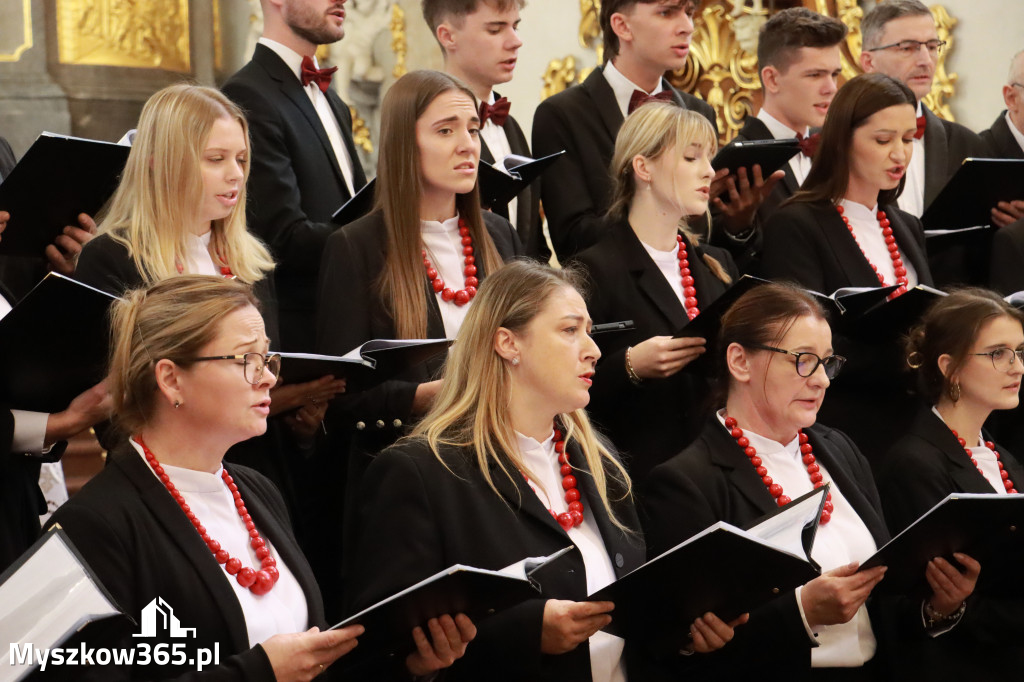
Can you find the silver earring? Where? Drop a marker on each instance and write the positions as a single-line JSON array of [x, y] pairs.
[[515, 362], [177, 404]]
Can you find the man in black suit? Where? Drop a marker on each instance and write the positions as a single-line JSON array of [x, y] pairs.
[[480, 42], [798, 53], [642, 40], [304, 163], [1006, 136], [901, 41]]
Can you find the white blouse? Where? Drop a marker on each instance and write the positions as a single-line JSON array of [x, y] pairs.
[[200, 262], [280, 611], [865, 225], [842, 540], [668, 264], [606, 661], [444, 249], [986, 460]]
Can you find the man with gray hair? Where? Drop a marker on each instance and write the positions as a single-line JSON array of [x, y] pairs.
[[1006, 136], [901, 41]]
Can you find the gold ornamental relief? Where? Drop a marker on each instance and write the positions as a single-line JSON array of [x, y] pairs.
[[134, 33], [16, 37], [360, 131], [399, 42]]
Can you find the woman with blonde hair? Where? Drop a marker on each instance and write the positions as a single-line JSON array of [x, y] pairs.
[[180, 209], [653, 269], [504, 466]]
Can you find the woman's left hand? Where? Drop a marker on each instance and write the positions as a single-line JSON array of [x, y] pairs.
[[306, 420], [285, 397], [448, 640], [710, 633], [950, 586]]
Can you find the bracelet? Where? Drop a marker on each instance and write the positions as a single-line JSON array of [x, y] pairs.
[[934, 619], [630, 372]]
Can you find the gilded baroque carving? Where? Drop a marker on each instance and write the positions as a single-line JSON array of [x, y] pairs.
[[360, 132], [142, 34], [26, 34], [560, 74], [399, 43]]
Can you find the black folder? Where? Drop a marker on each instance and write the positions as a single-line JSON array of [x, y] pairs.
[[497, 188], [890, 320], [709, 320], [57, 178], [983, 526], [54, 343], [476, 592], [771, 155], [358, 206], [722, 569], [373, 362], [973, 191]]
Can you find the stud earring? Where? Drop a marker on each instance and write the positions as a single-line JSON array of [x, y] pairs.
[[515, 362], [177, 404]]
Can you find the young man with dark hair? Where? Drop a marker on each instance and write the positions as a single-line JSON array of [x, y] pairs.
[[304, 164], [798, 54], [642, 40], [480, 42]]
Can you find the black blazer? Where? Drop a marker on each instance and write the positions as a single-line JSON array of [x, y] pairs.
[[653, 421], [921, 469], [1000, 140], [946, 145], [807, 243], [712, 481], [140, 545], [105, 264], [1005, 273], [295, 183], [21, 501], [418, 518], [584, 120], [528, 221]]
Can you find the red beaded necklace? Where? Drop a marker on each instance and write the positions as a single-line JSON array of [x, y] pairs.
[[224, 270], [689, 291], [774, 489], [258, 582], [465, 295], [1003, 473], [894, 252], [574, 516]]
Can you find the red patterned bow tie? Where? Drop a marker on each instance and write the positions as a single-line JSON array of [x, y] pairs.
[[808, 144], [639, 98], [497, 112], [921, 122], [311, 74]]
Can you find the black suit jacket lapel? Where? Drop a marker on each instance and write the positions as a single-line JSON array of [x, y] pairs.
[[648, 278], [604, 102], [1006, 143], [910, 247], [856, 269], [936, 156], [182, 533], [965, 475], [292, 90], [824, 450], [344, 118], [726, 454], [519, 495]]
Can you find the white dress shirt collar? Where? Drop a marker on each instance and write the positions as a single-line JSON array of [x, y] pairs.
[[778, 129], [289, 56], [1017, 134], [623, 87]]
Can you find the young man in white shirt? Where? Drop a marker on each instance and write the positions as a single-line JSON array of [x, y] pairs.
[[480, 42]]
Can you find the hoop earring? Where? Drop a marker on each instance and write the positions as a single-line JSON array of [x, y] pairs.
[[915, 360], [954, 392]]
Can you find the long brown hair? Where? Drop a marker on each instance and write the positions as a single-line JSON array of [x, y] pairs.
[[402, 282], [472, 408], [654, 129], [855, 103]]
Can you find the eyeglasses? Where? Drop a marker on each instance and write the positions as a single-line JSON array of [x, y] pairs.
[[253, 364], [1003, 358], [808, 363], [907, 48], [1017, 85]]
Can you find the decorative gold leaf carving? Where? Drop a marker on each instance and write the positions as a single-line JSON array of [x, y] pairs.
[[360, 131], [26, 34], [399, 42], [560, 74]]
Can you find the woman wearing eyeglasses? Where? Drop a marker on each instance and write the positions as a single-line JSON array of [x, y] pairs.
[[761, 449], [167, 520], [966, 354]]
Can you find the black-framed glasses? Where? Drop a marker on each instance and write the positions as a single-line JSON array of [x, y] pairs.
[[807, 363], [1003, 358], [253, 364], [1017, 85], [907, 48]]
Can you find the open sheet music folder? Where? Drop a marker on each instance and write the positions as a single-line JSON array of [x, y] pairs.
[[982, 525], [476, 592], [57, 178], [47, 596], [723, 569], [368, 365]]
